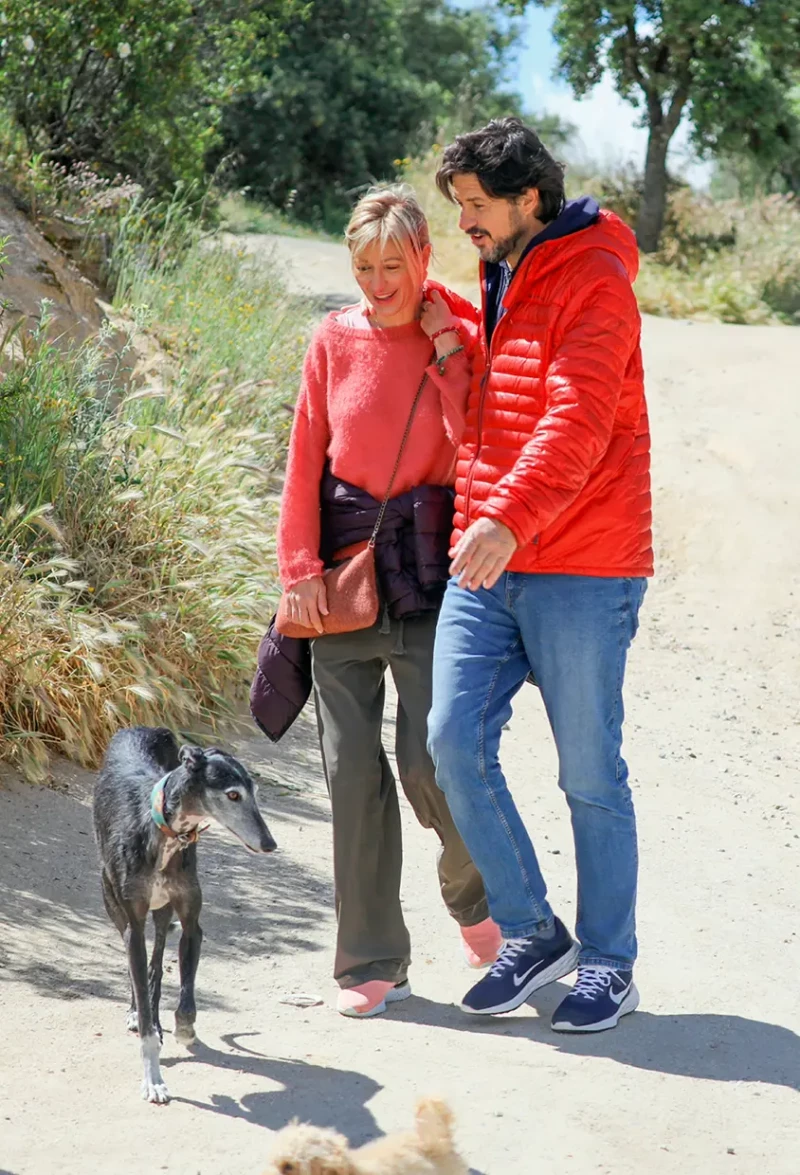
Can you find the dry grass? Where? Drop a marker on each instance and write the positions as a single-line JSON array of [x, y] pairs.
[[720, 261], [136, 527], [728, 262]]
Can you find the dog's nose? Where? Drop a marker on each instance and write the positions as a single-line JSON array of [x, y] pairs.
[[268, 845]]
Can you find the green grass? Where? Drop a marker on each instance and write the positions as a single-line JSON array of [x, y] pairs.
[[238, 214], [137, 521]]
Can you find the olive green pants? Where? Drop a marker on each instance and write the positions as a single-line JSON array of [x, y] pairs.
[[349, 680]]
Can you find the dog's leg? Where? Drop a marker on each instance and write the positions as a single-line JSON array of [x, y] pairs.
[[188, 957], [161, 922], [132, 1016], [153, 1087], [120, 920]]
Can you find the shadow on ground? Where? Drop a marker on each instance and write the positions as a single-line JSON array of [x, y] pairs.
[[330, 1097], [54, 932], [704, 1045], [322, 1095]]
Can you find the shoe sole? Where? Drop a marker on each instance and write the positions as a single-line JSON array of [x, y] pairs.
[[629, 1004], [557, 970], [394, 996]]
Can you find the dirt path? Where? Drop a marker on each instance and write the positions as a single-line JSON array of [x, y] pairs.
[[705, 1078]]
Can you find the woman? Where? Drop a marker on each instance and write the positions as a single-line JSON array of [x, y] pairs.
[[360, 379]]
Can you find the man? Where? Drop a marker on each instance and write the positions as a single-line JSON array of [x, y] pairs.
[[551, 549]]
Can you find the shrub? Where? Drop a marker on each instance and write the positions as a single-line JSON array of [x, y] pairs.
[[127, 85]]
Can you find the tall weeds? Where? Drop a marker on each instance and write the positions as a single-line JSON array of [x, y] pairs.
[[136, 520]]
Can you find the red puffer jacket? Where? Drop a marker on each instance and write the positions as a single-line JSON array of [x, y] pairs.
[[557, 444]]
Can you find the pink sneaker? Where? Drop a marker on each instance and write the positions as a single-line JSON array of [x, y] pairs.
[[370, 999], [481, 943]]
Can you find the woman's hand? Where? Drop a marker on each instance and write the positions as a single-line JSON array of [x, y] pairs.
[[437, 315], [308, 603]]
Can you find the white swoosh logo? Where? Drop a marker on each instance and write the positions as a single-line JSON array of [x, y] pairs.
[[618, 997], [520, 979]]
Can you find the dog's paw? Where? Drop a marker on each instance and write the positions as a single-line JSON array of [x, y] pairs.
[[184, 1026], [155, 1092], [153, 1087], [185, 1033], [132, 1020]]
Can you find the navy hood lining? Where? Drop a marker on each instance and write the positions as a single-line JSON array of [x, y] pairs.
[[575, 216]]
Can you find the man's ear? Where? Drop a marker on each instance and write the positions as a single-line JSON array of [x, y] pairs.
[[529, 203], [192, 758]]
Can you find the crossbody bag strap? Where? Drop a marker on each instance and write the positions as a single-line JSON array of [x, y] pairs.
[[403, 444]]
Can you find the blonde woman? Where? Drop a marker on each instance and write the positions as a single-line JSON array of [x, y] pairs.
[[361, 376]]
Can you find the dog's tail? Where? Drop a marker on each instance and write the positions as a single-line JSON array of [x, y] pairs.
[[435, 1127]]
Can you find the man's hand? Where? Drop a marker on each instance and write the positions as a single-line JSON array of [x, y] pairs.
[[482, 554], [308, 603]]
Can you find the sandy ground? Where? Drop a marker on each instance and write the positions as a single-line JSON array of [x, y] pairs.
[[704, 1078]]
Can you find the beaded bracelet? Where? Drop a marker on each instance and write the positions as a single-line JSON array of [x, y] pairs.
[[444, 330], [440, 360]]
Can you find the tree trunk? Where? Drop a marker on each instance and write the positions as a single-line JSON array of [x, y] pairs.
[[790, 174], [663, 125], [653, 207]]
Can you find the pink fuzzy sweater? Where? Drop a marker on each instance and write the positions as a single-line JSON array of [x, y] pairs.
[[358, 386]]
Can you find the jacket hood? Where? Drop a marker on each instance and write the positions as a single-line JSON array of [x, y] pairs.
[[607, 231], [582, 225], [574, 216]]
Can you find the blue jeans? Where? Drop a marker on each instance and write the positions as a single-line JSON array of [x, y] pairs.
[[573, 634]]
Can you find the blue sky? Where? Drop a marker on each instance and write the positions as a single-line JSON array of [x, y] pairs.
[[607, 126]]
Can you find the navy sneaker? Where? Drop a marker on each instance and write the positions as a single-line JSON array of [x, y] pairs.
[[523, 966], [597, 1000]]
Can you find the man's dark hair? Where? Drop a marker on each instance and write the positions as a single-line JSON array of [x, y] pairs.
[[507, 157]]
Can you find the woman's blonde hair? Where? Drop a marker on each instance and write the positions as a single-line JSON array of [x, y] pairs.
[[391, 213]]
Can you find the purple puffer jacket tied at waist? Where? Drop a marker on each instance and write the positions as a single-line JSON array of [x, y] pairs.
[[412, 562]]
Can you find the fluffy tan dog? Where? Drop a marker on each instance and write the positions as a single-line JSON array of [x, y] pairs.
[[429, 1150]]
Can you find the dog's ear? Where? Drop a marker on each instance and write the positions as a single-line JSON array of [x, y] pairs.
[[192, 758]]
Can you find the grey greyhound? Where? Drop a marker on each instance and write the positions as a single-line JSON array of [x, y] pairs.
[[149, 803]]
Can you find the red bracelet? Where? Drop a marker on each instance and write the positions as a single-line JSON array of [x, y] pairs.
[[445, 330]]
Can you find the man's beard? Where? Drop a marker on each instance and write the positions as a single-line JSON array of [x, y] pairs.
[[500, 249]]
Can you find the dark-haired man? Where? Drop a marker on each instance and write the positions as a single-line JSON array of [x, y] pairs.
[[551, 549]]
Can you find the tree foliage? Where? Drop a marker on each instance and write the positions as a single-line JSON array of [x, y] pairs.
[[725, 64], [359, 86], [127, 84], [761, 155]]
